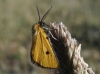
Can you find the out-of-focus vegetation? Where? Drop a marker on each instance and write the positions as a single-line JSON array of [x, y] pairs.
[[82, 17]]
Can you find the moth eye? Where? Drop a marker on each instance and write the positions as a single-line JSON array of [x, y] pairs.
[[47, 52], [41, 23]]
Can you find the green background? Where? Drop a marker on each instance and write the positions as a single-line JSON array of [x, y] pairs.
[[82, 18]]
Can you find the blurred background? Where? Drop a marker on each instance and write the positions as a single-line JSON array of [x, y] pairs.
[[82, 18]]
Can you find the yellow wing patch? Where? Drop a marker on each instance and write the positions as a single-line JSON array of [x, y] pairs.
[[41, 51]]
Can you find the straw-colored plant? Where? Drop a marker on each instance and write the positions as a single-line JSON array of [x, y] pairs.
[[68, 52]]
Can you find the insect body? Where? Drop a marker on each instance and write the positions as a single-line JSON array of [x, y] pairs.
[[42, 53]]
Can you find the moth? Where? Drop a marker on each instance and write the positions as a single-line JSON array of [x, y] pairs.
[[42, 52]]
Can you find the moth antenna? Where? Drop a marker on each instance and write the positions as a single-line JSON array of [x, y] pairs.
[[43, 18], [38, 12]]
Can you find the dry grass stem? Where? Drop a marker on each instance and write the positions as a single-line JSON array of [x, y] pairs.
[[68, 51]]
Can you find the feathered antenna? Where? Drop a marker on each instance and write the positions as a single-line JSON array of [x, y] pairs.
[[38, 13], [43, 18]]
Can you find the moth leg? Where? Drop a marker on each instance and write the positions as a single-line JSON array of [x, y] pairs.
[[52, 35], [48, 32]]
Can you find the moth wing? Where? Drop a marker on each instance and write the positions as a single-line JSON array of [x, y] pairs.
[[42, 52]]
